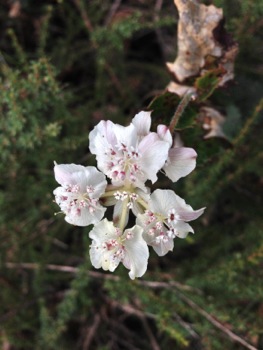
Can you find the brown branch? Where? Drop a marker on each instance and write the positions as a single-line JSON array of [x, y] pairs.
[[186, 326], [95, 274], [91, 332], [153, 341], [112, 11], [234, 337], [84, 15], [61, 268], [150, 284]]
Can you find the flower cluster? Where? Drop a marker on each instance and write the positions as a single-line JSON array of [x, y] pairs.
[[127, 157]]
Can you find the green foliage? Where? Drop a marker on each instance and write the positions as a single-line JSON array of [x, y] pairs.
[[207, 83], [65, 65]]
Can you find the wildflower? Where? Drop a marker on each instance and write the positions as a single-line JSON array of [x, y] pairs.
[[128, 155], [166, 219], [110, 246], [79, 193]]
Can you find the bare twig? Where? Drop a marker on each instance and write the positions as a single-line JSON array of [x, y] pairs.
[[84, 15], [112, 11], [91, 332], [186, 326], [131, 310], [153, 341], [61, 268], [234, 337], [151, 284], [180, 109], [95, 274]]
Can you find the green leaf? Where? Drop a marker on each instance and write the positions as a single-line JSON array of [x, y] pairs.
[[207, 83]]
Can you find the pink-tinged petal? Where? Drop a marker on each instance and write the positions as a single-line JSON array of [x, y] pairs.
[[181, 161], [137, 253], [164, 246], [153, 155], [191, 214], [185, 211], [164, 134], [164, 200], [142, 122], [64, 172]]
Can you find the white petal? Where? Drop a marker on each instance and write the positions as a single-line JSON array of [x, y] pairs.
[[126, 135], [101, 134], [103, 231], [95, 179], [63, 172], [164, 200], [161, 201], [181, 161], [100, 257], [90, 176], [164, 247], [182, 229], [85, 218], [137, 253], [142, 122], [154, 154]]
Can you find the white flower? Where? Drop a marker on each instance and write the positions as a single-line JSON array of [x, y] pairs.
[[181, 161], [110, 247], [79, 193], [129, 155], [165, 219]]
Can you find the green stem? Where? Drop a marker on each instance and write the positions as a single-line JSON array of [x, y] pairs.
[[142, 203], [108, 194], [124, 213], [180, 109]]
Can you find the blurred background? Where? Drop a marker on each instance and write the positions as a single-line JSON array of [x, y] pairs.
[[66, 65]]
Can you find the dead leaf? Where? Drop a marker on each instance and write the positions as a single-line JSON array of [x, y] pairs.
[[15, 10], [180, 90], [203, 44], [212, 121], [195, 37]]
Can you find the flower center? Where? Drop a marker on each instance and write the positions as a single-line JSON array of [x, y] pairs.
[[73, 200], [124, 163], [160, 226]]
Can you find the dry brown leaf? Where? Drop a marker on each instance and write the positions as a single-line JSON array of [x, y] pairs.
[[180, 90], [195, 37], [15, 9], [202, 39], [212, 121]]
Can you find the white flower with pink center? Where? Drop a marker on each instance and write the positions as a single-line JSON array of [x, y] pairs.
[[166, 219], [129, 155], [110, 246], [79, 193]]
